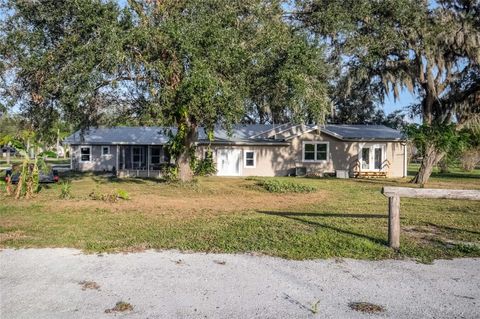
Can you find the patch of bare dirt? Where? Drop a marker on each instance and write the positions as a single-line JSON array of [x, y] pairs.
[[120, 306], [182, 205], [89, 285], [366, 307]]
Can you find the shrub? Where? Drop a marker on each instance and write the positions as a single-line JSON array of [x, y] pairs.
[[470, 159], [205, 167], [170, 173], [277, 186], [66, 190], [123, 194]]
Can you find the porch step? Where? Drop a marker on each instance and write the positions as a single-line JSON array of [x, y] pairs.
[[370, 174]]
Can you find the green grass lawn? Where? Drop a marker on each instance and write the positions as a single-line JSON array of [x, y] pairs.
[[342, 218]]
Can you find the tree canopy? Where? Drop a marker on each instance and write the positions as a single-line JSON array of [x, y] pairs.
[[178, 63], [431, 48]]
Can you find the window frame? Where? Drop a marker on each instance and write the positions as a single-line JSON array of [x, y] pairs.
[[245, 159], [315, 143], [89, 153], [108, 152]]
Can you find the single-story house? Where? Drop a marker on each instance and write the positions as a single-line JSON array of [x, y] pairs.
[[249, 150]]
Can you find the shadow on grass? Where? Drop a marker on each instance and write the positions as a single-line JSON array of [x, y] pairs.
[[296, 214], [448, 175], [453, 229], [297, 217]]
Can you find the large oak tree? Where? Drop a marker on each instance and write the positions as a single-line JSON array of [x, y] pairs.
[[178, 63], [432, 48]]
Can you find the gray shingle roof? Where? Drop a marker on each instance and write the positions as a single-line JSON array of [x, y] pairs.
[[120, 135], [251, 133], [362, 132]]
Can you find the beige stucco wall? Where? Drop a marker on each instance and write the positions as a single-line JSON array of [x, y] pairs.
[[273, 160], [98, 162], [282, 160]]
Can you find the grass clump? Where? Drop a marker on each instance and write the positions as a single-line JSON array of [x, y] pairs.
[[123, 194], [281, 186], [66, 190], [110, 197]]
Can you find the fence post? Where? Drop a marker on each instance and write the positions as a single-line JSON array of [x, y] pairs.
[[394, 221]]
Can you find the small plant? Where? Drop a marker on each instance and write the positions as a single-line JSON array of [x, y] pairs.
[[314, 307], [89, 285], [66, 190], [111, 197], [277, 186], [120, 306], [123, 194]]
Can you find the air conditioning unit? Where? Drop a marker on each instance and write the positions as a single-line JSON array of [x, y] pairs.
[[300, 171], [341, 173]]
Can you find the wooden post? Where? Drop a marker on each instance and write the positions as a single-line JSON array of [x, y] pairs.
[[394, 222], [394, 194]]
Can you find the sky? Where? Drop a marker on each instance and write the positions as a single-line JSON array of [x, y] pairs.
[[405, 99]]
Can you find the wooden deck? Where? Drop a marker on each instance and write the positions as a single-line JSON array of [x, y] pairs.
[[369, 174]]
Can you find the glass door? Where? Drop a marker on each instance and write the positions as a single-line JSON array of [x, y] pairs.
[[372, 157]]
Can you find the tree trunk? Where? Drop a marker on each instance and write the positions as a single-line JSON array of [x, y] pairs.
[[8, 155], [185, 173], [430, 159], [58, 141]]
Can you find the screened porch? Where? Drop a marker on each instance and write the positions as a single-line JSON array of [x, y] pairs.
[[141, 160]]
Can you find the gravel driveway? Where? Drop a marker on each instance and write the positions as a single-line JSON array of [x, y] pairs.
[[65, 283]]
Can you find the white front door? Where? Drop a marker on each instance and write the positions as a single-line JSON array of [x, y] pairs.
[[229, 162]]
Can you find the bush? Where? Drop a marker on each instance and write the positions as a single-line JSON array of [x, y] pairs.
[[170, 173], [205, 167], [123, 194], [277, 186], [66, 190], [470, 159]]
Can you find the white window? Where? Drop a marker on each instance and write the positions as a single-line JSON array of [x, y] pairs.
[[372, 157], [249, 159], [85, 154], [315, 151], [105, 150]]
